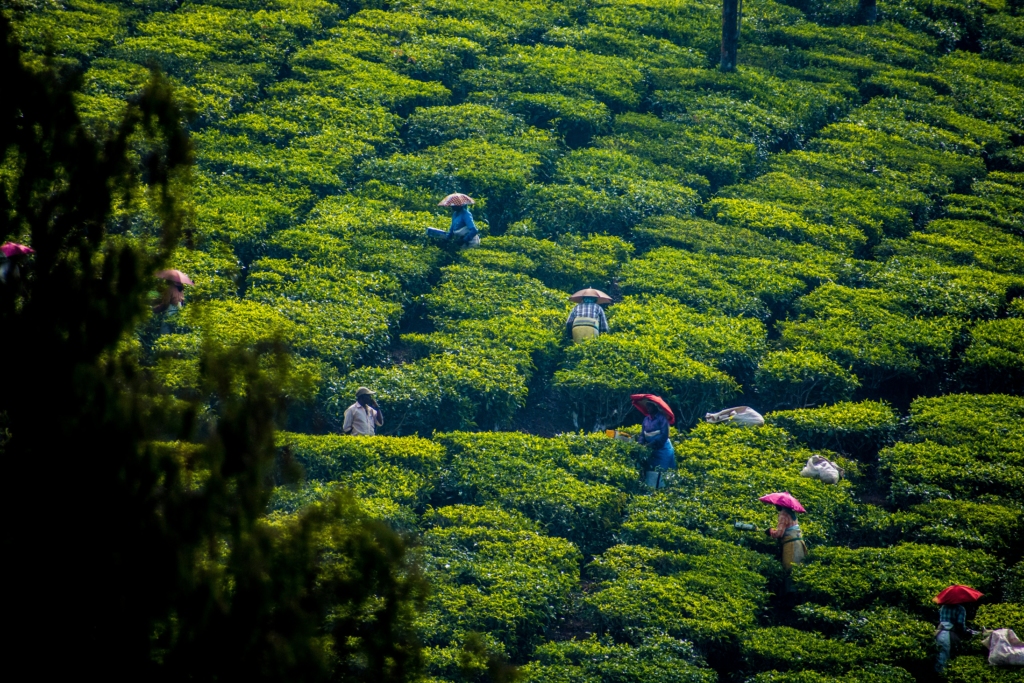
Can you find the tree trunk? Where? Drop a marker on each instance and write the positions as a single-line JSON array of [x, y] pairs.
[[867, 11], [730, 34]]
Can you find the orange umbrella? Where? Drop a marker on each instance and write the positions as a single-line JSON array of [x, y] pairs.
[[175, 276], [601, 297], [957, 595], [456, 199]]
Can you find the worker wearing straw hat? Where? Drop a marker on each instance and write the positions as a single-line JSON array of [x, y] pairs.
[[364, 416], [587, 319], [463, 227]]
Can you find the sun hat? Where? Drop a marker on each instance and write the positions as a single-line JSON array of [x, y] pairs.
[[363, 391]]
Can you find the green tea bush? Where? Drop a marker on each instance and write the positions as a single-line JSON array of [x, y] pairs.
[[328, 457], [989, 426], [801, 379], [863, 330], [908, 575], [1000, 615], [570, 495], [925, 471], [961, 243], [994, 359], [858, 429], [885, 634], [731, 344], [772, 221], [657, 659], [976, 669], [816, 202], [698, 598], [878, 673], [432, 126], [566, 264], [995, 527], [724, 284], [783, 647], [494, 572], [468, 292]]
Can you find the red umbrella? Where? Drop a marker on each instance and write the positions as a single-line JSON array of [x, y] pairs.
[[13, 248], [957, 595], [456, 199], [640, 399], [175, 276], [601, 297], [783, 499]]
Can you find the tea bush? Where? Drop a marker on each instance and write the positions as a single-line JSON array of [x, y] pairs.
[[858, 429], [578, 496], [907, 575], [801, 379], [493, 571], [1000, 615], [698, 598], [657, 659], [995, 357]]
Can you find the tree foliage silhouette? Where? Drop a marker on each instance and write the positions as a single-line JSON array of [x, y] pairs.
[[142, 529]]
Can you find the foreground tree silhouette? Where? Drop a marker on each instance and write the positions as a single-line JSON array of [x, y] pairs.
[[141, 548]]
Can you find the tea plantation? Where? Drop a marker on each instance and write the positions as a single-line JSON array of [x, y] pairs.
[[833, 234]]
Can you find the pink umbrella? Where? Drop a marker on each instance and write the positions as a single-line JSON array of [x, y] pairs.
[[13, 248], [783, 499], [957, 595], [456, 199], [175, 276]]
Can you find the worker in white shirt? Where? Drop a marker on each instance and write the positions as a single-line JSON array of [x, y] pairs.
[[364, 416]]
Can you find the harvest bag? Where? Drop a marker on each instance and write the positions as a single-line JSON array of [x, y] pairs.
[[821, 468], [437, 234], [584, 328], [1004, 648], [743, 416], [654, 479]]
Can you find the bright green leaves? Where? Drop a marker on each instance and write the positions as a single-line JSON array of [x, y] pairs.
[[859, 429], [908, 575], [657, 659], [495, 572], [800, 379]]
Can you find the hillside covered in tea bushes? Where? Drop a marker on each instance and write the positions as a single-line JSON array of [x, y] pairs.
[[833, 234]]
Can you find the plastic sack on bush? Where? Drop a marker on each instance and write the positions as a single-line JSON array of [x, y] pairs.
[[1004, 648], [818, 467], [743, 416]]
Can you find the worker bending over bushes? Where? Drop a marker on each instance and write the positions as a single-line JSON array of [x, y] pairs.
[[658, 417]]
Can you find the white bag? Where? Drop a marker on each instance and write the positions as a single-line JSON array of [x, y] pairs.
[[1004, 648], [740, 415], [821, 468]]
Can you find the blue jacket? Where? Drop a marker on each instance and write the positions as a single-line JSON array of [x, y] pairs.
[[463, 226], [654, 435]]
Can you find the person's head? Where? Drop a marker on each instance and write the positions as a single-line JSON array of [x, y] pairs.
[[590, 299], [364, 396], [653, 409], [787, 512], [174, 294]]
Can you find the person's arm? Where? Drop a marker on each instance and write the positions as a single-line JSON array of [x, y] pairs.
[[346, 426], [780, 530], [378, 415], [572, 317], [660, 427], [604, 320]]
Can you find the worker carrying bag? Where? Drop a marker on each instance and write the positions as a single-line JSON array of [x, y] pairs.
[[584, 328]]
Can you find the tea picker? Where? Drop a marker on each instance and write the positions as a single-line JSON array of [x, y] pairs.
[[654, 434], [14, 256], [463, 229], [952, 620], [587, 319], [173, 298], [787, 531], [364, 416]]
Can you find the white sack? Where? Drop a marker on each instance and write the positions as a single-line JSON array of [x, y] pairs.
[[740, 415], [1004, 648], [821, 468]]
